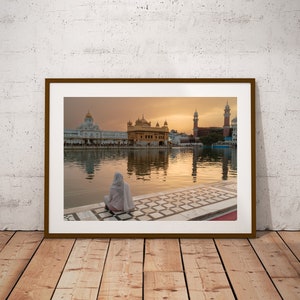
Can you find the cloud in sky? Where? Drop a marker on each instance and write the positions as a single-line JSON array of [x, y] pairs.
[[114, 113]]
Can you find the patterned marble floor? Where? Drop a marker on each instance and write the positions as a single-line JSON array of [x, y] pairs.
[[190, 203]]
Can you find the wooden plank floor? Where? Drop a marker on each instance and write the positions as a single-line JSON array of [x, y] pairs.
[[32, 267]]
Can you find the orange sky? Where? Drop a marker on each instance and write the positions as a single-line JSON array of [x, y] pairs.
[[114, 113]]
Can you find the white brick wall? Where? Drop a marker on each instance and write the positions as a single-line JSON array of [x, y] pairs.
[[93, 38]]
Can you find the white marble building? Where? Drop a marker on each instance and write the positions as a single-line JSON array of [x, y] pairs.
[[89, 134], [177, 138]]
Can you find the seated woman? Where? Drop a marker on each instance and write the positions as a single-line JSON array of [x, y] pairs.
[[119, 198]]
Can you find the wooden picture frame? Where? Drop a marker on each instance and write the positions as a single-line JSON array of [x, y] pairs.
[[192, 179]]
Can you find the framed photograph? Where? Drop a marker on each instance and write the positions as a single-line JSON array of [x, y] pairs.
[[150, 158]]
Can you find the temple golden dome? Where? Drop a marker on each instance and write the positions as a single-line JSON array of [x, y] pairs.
[[88, 115], [142, 122]]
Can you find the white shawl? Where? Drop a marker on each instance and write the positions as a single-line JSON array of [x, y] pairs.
[[119, 198]]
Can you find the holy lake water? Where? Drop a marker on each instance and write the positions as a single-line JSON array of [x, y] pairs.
[[88, 173]]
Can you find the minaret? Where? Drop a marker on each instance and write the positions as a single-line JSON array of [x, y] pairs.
[[226, 127], [195, 129]]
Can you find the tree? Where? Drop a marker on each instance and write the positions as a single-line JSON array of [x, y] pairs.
[[212, 138]]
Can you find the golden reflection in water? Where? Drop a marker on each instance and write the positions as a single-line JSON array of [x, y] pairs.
[[88, 173]]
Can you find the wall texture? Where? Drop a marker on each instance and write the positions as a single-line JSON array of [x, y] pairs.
[[143, 38]]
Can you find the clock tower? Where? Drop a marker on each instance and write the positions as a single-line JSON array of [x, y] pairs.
[[196, 119], [226, 127]]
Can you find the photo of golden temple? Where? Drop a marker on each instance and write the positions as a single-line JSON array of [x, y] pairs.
[[143, 134]]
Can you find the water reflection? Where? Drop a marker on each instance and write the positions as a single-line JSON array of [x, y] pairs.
[[144, 162], [207, 157], [85, 160], [88, 173]]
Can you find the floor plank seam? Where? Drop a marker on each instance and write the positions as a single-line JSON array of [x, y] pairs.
[[103, 269], [225, 270], [266, 271], [10, 238], [143, 270], [4, 245], [63, 269], [287, 245], [23, 271], [183, 270]]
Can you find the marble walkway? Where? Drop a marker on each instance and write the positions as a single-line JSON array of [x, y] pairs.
[[201, 202]]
